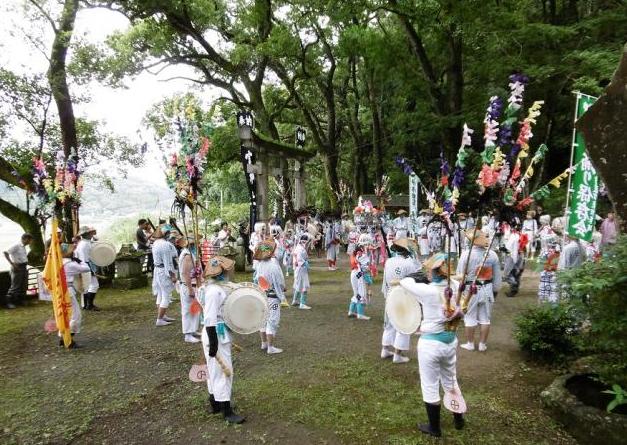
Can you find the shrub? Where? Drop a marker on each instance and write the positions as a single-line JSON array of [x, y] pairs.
[[548, 333], [600, 291]]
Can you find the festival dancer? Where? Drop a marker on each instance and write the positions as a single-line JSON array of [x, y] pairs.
[[423, 239], [514, 259], [271, 272], [353, 239], [187, 290], [546, 235], [300, 262], [256, 237], [401, 224], [530, 228], [288, 247], [360, 264], [393, 343], [331, 244], [73, 268], [548, 291], [437, 346], [216, 340], [486, 277], [164, 276], [83, 253]]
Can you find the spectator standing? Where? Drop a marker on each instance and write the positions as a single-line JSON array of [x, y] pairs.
[[18, 259], [143, 237], [609, 231]]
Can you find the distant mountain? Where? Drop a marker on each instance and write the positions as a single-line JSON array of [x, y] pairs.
[[131, 196]]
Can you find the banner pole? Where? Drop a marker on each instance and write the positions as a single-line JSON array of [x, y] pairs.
[[570, 169]]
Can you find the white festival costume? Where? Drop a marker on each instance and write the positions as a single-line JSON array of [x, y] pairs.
[[480, 306], [396, 268], [164, 266], [189, 321], [436, 359], [73, 269], [300, 263], [218, 383], [271, 271], [90, 281]]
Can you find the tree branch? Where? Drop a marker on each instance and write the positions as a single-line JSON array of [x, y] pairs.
[[45, 14]]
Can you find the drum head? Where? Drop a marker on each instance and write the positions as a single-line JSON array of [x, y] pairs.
[[403, 310], [245, 309], [102, 254]]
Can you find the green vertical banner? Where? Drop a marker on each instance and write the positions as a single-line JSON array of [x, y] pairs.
[[585, 185]]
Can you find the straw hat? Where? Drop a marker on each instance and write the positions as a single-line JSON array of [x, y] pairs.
[[401, 212], [424, 211], [438, 261], [403, 243], [85, 230], [218, 264], [264, 250], [481, 240]]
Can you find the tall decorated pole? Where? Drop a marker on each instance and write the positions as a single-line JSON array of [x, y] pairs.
[[583, 182], [414, 202]]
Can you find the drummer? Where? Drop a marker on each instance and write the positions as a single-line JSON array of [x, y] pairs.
[[73, 268], [187, 290], [393, 343], [270, 270], [216, 340], [83, 253], [437, 347]]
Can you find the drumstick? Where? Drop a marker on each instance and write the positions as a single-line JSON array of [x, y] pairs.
[[225, 369], [237, 347]]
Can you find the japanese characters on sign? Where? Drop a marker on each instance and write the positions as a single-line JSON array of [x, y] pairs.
[[585, 186]]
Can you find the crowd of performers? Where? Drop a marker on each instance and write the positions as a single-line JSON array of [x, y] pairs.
[[454, 269]]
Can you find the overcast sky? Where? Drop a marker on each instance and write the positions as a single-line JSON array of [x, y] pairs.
[[120, 109]]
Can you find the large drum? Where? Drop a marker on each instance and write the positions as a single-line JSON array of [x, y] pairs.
[[246, 308], [403, 310], [102, 254]]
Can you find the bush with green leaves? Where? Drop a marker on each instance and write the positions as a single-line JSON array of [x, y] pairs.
[[600, 291], [548, 333]]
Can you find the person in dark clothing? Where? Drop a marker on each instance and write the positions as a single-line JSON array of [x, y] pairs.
[[17, 258], [143, 237]]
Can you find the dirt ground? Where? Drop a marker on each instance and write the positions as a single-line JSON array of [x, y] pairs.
[[128, 382]]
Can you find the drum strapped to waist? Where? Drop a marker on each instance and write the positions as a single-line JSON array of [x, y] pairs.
[[245, 309], [102, 254], [403, 310]]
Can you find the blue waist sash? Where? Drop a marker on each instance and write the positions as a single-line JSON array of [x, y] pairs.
[[443, 337]]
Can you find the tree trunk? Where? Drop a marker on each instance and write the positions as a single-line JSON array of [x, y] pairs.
[[376, 129], [57, 77], [31, 225], [330, 162], [603, 127]]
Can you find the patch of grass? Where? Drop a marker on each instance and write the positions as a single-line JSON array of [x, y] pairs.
[[361, 403]]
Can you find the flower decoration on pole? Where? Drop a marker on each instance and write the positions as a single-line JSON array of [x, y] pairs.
[[185, 168], [65, 186], [506, 146]]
